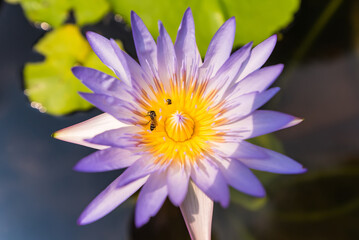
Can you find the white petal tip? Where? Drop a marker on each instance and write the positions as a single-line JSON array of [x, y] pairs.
[[91, 35], [273, 38], [81, 221], [294, 122], [61, 135]]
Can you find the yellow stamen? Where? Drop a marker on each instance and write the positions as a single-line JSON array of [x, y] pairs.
[[179, 126], [185, 128]]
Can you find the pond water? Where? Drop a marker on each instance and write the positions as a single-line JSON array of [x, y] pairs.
[[41, 196]]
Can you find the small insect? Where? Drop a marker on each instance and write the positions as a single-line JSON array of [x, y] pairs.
[[169, 101], [152, 115]]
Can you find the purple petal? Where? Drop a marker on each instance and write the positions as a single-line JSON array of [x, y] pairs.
[[106, 160], [104, 50], [259, 123], [229, 70], [185, 46], [259, 56], [241, 149], [120, 109], [166, 58], [257, 81], [145, 45], [220, 46], [121, 137], [151, 198], [139, 78], [102, 83], [244, 105], [197, 211], [108, 200], [142, 167], [177, 182], [79, 132], [241, 178], [210, 180], [275, 162]]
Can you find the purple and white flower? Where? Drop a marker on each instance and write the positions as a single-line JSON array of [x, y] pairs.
[[179, 124]]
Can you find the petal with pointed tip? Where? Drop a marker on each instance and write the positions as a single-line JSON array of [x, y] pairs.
[[145, 45], [120, 137], [241, 178], [275, 162], [104, 50], [185, 46], [260, 122], [79, 132], [106, 160], [142, 167], [102, 83], [220, 46], [240, 149], [139, 78], [151, 198], [259, 56], [229, 70], [109, 199], [166, 57], [118, 108], [244, 105], [259, 80]]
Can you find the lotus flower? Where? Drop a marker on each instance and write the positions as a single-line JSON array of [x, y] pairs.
[[179, 124]]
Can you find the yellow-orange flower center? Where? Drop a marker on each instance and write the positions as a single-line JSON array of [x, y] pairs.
[[179, 123], [179, 126]]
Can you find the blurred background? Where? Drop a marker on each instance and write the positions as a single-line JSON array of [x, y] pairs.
[[41, 196]]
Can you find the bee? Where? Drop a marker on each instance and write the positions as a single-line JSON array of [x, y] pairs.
[[169, 101], [152, 115]]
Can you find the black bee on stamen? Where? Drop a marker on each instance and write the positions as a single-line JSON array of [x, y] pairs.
[[169, 101], [152, 115]]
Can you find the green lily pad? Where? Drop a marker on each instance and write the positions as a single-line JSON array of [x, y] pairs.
[[89, 11], [256, 19], [50, 85], [55, 12]]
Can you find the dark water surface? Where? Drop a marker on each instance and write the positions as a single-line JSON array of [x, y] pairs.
[[41, 197]]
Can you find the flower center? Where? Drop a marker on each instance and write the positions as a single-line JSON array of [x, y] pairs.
[[179, 126]]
